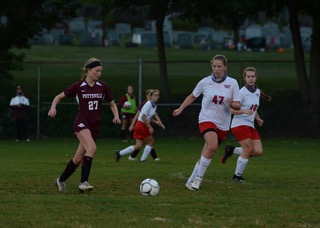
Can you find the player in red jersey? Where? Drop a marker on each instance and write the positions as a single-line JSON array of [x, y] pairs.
[[90, 92], [129, 107]]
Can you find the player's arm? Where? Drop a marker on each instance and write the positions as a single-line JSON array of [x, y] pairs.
[[259, 120], [241, 111], [134, 120], [189, 100], [53, 110], [115, 112], [148, 125], [156, 119], [122, 101]]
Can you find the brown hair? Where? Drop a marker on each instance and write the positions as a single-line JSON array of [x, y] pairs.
[[249, 69], [85, 68], [220, 57]]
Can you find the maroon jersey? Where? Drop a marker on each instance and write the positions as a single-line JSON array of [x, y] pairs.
[[90, 102]]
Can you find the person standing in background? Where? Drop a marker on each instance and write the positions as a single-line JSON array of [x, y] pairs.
[[19, 105], [129, 107]]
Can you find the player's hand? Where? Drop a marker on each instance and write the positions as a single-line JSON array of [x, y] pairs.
[[116, 120], [260, 122], [52, 113], [151, 130], [177, 112], [248, 112], [162, 126], [131, 128]]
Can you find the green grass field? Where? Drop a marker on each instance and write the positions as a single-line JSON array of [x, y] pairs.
[[281, 190], [61, 65]]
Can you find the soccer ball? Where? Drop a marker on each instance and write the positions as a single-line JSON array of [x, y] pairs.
[[149, 187], [127, 104]]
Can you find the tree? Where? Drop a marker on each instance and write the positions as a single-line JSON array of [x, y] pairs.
[[309, 83], [158, 11], [21, 21]]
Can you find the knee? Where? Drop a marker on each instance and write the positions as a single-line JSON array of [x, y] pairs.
[[91, 150], [212, 148], [257, 153]]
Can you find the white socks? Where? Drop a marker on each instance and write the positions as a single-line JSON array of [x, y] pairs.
[[194, 173], [241, 165], [146, 153], [238, 150], [204, 163], [127, 150]]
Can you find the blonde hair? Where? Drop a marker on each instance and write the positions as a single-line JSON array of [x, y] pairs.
[[86, 69], [154, 91], [220, 57], [249, 69]]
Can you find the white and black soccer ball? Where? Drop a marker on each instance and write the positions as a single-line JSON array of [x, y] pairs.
[[127, 104], [149, 187]]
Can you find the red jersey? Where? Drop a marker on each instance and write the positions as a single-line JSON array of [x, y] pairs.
[[89, 102]]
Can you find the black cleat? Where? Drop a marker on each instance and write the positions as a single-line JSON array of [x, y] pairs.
[[237, 178], [118, 156], [228, 151]]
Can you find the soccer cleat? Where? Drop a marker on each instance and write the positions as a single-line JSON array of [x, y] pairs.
[[131, 158], [61, 185], [237, 178], [118, 156], [85, 187], [196, 183], [189, 186], [157, 159], [228, 151]]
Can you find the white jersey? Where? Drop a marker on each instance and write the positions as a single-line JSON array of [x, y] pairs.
[[249, 100], [149, 110], [19, 100], [214, 107]]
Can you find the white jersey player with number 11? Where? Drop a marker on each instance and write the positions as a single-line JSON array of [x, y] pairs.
[[220, 94]]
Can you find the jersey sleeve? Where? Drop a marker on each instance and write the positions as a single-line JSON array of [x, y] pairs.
[[146, 108], [122, 100], [72, 90], [197, 91]]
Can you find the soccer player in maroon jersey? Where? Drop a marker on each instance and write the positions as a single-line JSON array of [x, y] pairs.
[[90, 92]]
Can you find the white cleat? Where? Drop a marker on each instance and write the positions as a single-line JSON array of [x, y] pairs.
[[85, 187], [61, 185], [131, 158], [157, 159], [189, 186], [196, 183]]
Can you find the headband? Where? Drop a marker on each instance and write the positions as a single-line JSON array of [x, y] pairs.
[[93, 64]]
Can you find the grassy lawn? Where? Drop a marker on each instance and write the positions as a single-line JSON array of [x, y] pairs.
[[281, 190], [61, 66]]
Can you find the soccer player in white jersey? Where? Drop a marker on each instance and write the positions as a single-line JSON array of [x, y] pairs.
[[143, 129], [242, 125], [220, 94]]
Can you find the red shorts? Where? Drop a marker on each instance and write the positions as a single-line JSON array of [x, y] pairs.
[[127, 116], [245, 132], [205, 127], [140, 131]]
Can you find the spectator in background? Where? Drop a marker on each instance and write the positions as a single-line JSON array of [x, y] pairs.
[[19, 105], [129, 107]]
